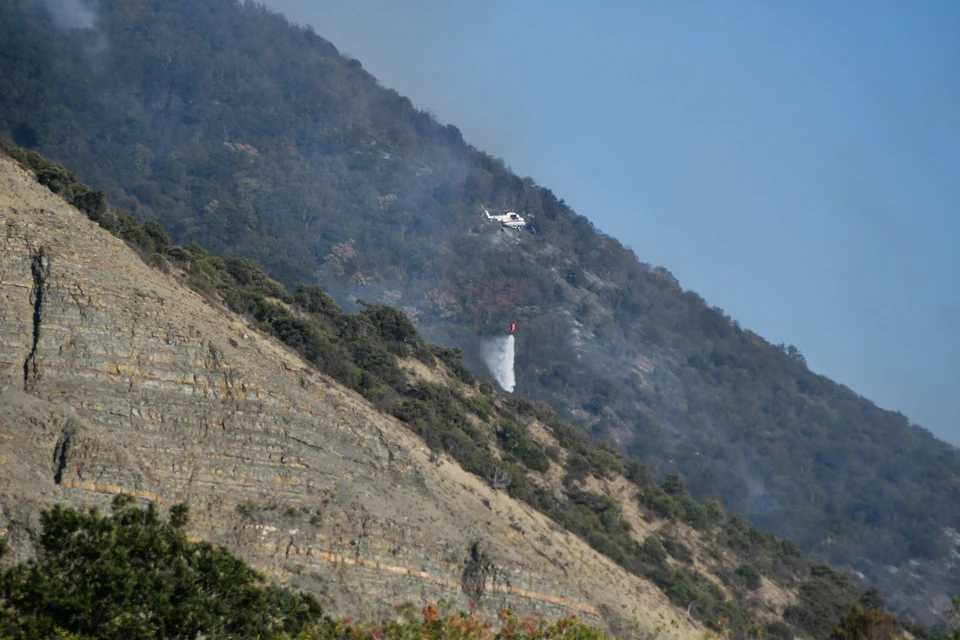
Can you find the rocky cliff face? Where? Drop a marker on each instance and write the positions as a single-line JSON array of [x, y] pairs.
[[118, 379]]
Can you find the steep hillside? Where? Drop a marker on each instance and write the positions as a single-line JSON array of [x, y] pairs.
[[119, 379], [345, 489], [257, 139]]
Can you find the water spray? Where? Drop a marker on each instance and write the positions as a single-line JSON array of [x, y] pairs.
[[498, 354]]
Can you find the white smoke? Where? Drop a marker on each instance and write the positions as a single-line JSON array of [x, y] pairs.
[[71, 14], [498, 355]]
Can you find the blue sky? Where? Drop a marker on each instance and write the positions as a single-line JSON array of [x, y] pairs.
[[796, 164]]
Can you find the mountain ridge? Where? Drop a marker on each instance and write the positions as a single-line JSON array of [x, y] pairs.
[[314, 171]]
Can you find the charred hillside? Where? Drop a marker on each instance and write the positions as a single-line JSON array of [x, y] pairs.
[[258, 140]]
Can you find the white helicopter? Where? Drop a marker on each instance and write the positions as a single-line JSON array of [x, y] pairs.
[[509, 219]]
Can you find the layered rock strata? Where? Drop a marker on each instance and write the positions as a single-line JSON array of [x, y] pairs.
[[118, 379]]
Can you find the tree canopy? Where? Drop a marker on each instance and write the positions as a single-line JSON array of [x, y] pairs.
[[132, 575]]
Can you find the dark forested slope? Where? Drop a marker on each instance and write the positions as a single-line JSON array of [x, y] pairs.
[[259, 140]]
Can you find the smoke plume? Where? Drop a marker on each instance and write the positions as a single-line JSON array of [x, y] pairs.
[[71, 14], [498, 355]]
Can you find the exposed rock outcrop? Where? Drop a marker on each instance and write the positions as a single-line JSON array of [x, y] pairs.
[[119, 379]]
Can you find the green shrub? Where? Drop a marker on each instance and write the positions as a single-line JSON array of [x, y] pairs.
[[249, 276], [312, 299], [369, 352], [778, 631], [158, 235], [131, 575], [654, 549], [514, 441], [857, 623], [637, 473], [740, 534], [478, 405], [393, 327], [672, 501], [453, 358], [751, 577], [821, 601], [677, 550], [433, 624], [686, 587]]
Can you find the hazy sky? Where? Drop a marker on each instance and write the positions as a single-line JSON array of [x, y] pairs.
[[796, 164]]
